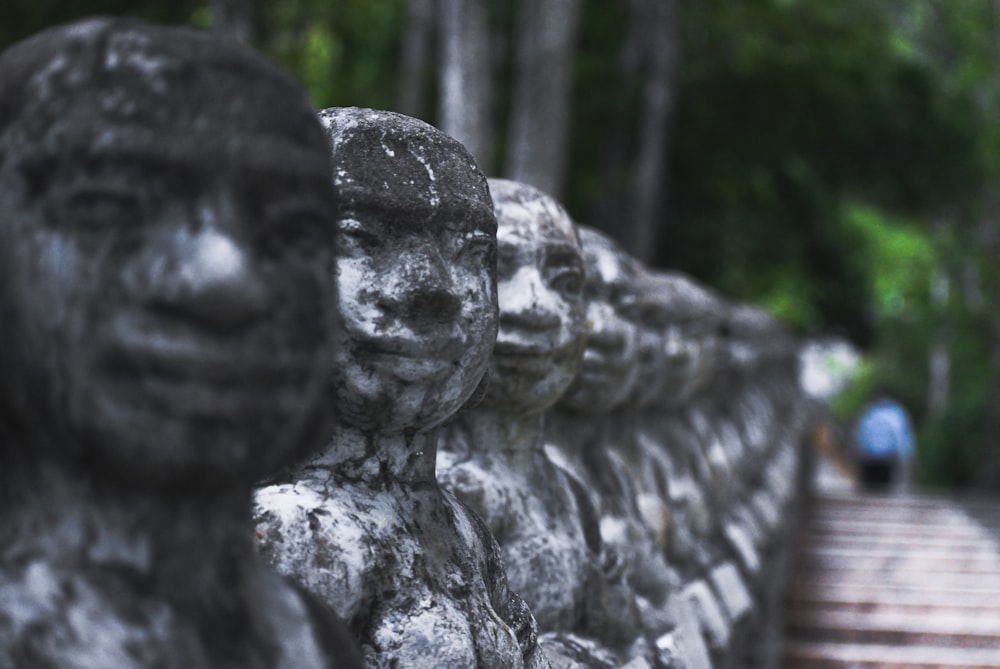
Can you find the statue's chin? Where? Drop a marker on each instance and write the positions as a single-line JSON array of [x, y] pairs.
[[521, 394]]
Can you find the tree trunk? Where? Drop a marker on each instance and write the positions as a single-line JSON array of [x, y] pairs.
[[466, 77], [540, 104], [609, 203], [233, 18], [658, 23], [414, 56]]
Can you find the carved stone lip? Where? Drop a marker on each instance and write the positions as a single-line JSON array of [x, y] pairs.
[[417, 347], [680, 365], [208, 367], [520, 350], [192, 398], [196, 357], [520, 359], [598, 362]]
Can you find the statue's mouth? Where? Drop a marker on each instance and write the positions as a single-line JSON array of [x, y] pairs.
[[523, 358], [605, 363], [442, 346], [522, 350], [193, 374]]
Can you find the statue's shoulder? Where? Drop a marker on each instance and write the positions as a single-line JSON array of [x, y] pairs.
[[61, 618], [328, 544], [482, 490]]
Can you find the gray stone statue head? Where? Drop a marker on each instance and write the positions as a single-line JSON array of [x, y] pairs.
[[749, 331], [540, 274], [416, 271], [162, 254], [651, 315], [693, 339], [610, 368]]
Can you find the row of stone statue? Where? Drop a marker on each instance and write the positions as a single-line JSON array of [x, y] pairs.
[[488, 437]]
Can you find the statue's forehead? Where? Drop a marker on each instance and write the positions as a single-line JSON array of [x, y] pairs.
[[82, 91], [605, 263], [204, 151], [412, 187], [538, 219], [448, 213]]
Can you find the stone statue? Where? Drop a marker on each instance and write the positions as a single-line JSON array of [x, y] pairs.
[[580, 432], [416, 574], [647, 462], [163, 324], [492, 454], [666, 456], [681, 429], [668, 452]]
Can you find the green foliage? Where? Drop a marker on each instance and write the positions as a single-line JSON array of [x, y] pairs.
[[858, 392], [346, 52], [21, 18], [900, 258], [827, 159], [950, 443], [791, 112]]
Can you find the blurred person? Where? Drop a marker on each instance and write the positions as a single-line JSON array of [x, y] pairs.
[[884, 439]]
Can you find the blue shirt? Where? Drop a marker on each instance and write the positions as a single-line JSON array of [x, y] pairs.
[[884, 431]]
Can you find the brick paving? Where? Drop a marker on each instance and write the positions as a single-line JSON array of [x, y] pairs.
[[896, 581]]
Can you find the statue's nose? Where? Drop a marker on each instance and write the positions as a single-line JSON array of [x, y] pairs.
[[211, 280], [607, 330], [422, 288], [523, 302]]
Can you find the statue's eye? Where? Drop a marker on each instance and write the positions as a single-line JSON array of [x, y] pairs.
[[629, 307], [479, 248], [568, 282], [354, 238], [95, 207], [624, 301], [297, 226]]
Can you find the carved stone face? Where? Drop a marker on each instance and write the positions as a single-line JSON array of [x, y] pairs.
[[415, 271], [540, 276], [683, 361], [665, 311], [651, 315], [162, 292], [610, 360], [691, 340]]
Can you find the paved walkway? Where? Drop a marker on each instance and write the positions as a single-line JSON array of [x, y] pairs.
[[896, 581]]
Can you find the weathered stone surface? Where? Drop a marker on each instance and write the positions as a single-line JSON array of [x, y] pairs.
[[366, 526], [712, 619], [685, 643], [163, 336], [733, 593], [742, 544]]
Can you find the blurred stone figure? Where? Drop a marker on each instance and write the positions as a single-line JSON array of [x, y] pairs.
[[581, 433], [684, 310], [164, 327], [645, 460], [416, 574], [492, 455]]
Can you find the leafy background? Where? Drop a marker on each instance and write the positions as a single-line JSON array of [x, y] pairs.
[[835, 162]]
